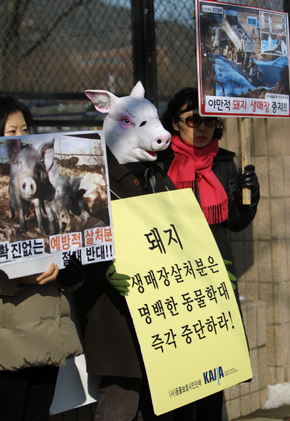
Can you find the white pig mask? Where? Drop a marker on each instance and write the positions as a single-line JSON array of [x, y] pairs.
[[132, 129]]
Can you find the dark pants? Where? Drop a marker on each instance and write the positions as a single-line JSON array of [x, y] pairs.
[[126, 399], [26, 395], [206, 409]]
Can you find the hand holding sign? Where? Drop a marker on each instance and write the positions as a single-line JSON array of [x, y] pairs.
[[249, 180], [118, 280]]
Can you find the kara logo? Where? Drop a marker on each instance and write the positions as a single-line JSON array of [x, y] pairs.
[[213, 375]]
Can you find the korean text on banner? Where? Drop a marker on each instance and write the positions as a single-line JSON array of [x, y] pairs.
[[54, 201], [243, 60], [181, 300]]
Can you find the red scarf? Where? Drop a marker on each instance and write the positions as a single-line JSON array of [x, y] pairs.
[[190, 163]]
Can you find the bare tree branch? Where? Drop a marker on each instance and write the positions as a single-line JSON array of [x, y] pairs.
[[44, 37]]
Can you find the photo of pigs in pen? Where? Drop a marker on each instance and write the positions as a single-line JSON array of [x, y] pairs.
[[51, 184]]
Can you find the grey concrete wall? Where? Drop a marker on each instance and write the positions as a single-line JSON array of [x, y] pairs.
[[262, 251]]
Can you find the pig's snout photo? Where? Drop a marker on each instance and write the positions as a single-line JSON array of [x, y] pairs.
[[28, 188]]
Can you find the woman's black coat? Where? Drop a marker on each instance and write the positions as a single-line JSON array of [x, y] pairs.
[[239, 216]]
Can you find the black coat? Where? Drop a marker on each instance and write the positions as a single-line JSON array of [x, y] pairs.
[[239, 215], [110, 343]]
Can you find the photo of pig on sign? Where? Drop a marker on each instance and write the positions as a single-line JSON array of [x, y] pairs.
[[54, 198], [243, 60]]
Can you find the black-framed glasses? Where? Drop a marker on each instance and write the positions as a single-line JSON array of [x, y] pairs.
[[195, 120]]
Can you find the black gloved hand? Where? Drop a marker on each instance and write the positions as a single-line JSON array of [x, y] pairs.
[[249, 180], [73, 273]]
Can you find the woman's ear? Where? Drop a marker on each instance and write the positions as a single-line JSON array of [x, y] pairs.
[[174, 125]]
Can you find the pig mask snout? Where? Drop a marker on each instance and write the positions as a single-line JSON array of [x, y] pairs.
[[161, 141]]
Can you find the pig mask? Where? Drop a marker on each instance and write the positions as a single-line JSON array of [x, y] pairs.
[[133, 131]]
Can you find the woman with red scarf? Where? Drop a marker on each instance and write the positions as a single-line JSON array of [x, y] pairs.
[[195, 160]]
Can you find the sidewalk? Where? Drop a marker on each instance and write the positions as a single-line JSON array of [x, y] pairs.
[[274, 414]]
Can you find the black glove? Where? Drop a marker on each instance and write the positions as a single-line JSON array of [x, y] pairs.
[[73, 273], [249, 180]]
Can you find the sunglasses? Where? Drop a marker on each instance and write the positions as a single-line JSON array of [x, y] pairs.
[[195, 120]]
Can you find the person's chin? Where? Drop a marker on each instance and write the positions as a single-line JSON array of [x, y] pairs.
[[200, 143]]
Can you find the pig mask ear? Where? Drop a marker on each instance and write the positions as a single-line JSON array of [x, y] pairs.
[[138, 91], [103, 101]]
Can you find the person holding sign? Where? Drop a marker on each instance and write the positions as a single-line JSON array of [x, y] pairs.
[[37, 334], [133, 134], [195, 160]]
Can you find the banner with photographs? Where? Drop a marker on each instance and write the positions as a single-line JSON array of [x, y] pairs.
[[54, 201], [243, 60]]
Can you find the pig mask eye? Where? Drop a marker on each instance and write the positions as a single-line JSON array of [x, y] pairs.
[[126, 121], [143, 123]]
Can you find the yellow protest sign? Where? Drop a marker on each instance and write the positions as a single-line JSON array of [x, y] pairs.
[[181, 300]]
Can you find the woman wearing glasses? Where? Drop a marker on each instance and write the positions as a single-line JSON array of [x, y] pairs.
[[198, 162]]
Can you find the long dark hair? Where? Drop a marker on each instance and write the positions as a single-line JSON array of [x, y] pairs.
[[186, 97], [9, 105]]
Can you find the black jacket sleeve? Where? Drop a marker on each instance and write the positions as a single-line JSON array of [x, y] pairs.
[[239, 215]]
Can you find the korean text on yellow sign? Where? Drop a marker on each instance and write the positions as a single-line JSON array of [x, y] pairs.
[[181, 300]]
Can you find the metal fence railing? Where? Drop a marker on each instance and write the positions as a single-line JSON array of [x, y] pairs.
[[57, 49], [64, 46]]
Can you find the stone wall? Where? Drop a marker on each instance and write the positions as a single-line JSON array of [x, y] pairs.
[[245, 398], [263, 249]]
